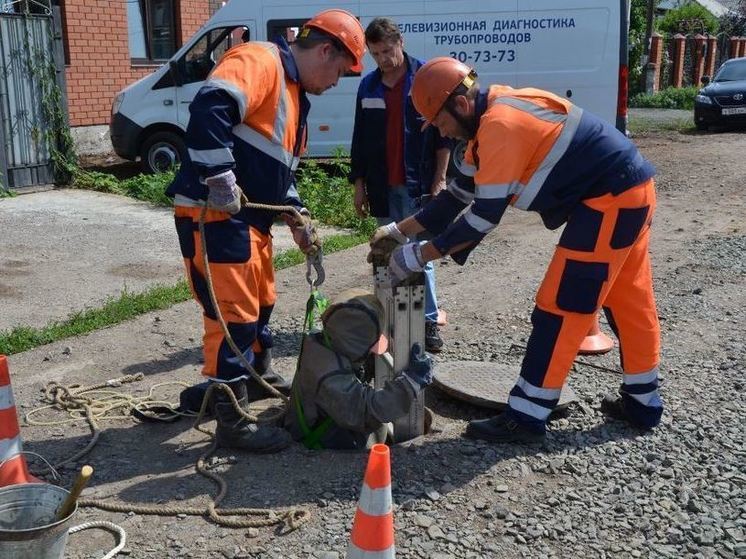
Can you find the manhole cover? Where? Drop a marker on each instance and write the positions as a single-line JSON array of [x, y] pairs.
[[484, 384]]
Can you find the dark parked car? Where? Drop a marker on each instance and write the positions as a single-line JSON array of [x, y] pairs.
[[722, 101]]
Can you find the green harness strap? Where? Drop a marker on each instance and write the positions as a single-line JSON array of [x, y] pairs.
[[316, 305]]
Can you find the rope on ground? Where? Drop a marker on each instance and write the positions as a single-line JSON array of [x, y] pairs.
[[118, 532], [99, 402], [96, 403]]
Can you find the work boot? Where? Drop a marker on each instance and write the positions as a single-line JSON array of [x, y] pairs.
[[190, 399], [263, 366], [234, 431], [626, 408], [433, 341], [502, 429]]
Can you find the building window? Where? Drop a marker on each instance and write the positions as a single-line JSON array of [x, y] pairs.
[[152, 30]]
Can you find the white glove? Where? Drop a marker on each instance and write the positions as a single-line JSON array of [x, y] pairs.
[[223, 193], [406, 260], [389, 230], [383, 241]]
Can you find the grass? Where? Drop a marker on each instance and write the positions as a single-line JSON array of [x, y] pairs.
[[148, 188], [643, 125], [130, 305], [324, 190]]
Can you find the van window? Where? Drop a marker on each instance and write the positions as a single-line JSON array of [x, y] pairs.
[[288, 29], [151, 27], [199, 60]]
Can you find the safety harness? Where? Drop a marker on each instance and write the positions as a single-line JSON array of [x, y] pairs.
[[315, 306]]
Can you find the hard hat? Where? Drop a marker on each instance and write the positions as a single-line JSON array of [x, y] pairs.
[[353, 324], [346, 28], [434, 83]]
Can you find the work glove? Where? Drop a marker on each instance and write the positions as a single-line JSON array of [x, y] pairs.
[[405, 261], [384, 240], [304, 232], [223, 193], [419, 371]]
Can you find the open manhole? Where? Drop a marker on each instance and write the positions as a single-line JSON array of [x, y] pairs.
[[485, 384]]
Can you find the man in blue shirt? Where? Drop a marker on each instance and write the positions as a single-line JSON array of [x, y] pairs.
[[396, 166]]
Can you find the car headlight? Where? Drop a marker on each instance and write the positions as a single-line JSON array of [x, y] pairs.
[[117, 103], [704, 99]]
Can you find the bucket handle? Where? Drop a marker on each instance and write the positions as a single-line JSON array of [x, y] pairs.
[[56, 476]]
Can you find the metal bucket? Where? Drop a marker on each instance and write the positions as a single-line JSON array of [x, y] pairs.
[[28, 529]]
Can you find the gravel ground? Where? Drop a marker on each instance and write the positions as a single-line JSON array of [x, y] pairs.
[[593, 489]]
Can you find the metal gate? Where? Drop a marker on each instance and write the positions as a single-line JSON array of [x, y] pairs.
[[30, 67]]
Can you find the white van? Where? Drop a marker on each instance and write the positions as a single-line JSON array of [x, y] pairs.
[[575, 48]]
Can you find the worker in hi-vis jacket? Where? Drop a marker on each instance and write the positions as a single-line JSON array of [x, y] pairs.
[[247, 130], [536, 151]]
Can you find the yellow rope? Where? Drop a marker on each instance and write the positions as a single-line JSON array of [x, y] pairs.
[[100, 402]]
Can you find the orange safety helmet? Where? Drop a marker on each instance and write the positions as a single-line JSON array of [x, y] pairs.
[[345, 27], [436, 81]]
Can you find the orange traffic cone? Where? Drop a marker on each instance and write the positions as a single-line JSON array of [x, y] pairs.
[[13, 467], [596, 342], [373, 529]]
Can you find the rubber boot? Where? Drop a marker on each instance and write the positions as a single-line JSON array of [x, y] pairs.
[[263, 366], [234, 431]]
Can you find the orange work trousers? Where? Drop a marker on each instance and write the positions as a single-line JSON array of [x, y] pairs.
[[601, 260], [240, 259]]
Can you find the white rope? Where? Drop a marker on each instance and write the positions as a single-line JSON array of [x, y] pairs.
[[111, 527]]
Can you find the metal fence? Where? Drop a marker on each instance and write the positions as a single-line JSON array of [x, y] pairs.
[[27, 65]]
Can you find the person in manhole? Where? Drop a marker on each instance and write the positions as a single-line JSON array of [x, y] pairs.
[[331, 406], [538, 152], [247, 130]]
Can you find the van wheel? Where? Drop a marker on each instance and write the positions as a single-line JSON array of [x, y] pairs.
[[701, 126], [162, 152]]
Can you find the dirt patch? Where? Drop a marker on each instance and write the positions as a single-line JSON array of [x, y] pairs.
[[110, 163], [142, 271]]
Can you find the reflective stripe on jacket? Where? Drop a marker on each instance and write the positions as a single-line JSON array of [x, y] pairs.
[[250, 116], [539, 152]]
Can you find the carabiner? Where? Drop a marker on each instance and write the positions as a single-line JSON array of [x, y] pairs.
[[315, 262]]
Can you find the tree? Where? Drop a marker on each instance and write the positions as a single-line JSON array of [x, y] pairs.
[[733, 24], [689, 18], [637, 24]]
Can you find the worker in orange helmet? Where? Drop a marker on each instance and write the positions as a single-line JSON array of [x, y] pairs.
[[538, 152], [247, 130]]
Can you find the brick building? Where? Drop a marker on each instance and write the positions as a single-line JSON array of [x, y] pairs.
[[112, 43]]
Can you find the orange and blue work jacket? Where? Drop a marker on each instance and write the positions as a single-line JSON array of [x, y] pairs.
[[537, 152], [249, 117]]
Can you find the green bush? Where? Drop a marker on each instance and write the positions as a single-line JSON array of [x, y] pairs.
[[689, 18], [669, 98], [322, 186], [148, 188], [327, 194]]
